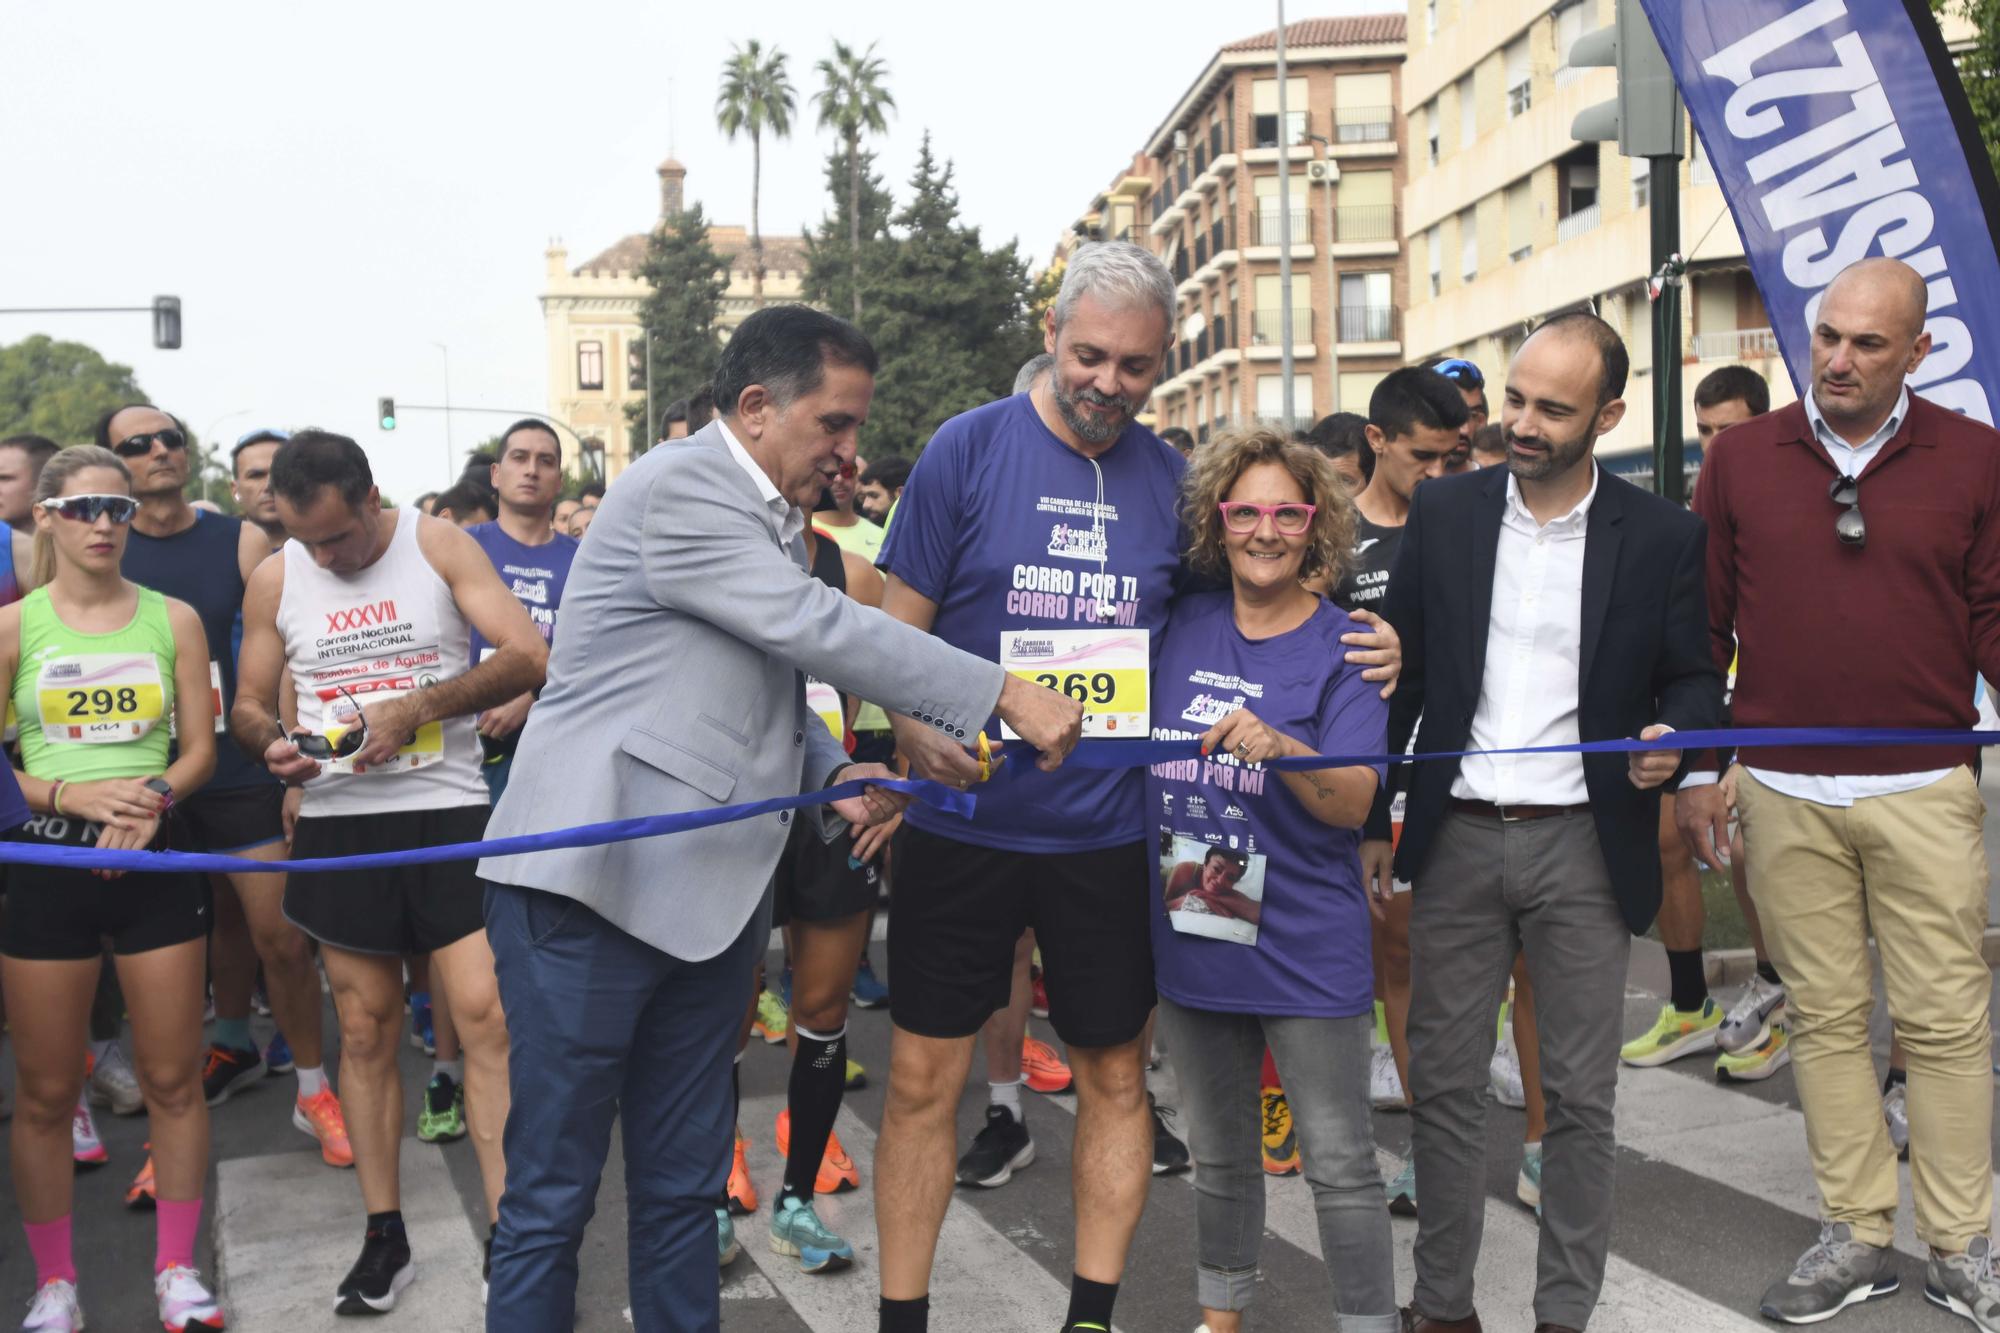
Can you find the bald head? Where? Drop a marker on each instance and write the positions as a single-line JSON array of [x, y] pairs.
[[1867, 338], [1884, 285]]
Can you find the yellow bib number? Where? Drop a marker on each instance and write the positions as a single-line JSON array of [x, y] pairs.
[[99, 699], [1107, 671]]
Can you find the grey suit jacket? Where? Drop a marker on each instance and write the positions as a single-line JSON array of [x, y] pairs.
[[675, 685]]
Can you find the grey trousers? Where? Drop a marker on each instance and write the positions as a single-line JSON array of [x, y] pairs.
[[1324, 1062], [1488, 890]]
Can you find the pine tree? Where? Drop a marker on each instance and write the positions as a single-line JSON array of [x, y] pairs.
[[839, 273], [679, 315]]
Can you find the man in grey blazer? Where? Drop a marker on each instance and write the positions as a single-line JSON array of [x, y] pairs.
[[675, 685]]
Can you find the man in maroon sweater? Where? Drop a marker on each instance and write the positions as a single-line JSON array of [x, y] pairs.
[[1854, 559]]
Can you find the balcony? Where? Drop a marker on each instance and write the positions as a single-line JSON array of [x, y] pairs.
[[1367, 324], [1267, 327], [1364, 124], [1271, 228], [1579, 222], [1566, 74], [1201, 250], [1365, 222], [1221, 241], [1735, 345]]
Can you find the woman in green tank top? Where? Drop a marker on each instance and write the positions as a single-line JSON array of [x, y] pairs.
[[97, 668]]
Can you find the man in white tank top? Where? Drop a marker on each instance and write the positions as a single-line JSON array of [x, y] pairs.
[[371, 613]]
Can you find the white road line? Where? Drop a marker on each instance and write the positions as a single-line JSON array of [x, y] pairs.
[[981, 1282], [288, 1227]]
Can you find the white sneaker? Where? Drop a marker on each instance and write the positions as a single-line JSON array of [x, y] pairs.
[[113, 1084], [1385, 1089], [87, 1148], [1896, 1113], [1504, 1074], [55, 1309], [184, 1302], [1748, 1022]]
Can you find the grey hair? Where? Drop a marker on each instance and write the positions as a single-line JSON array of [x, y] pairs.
[[1031, 370], [1122, 274]]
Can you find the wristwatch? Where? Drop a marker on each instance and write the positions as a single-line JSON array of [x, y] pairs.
[[166, 791]]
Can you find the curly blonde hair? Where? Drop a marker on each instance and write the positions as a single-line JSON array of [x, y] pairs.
[[1214, 471]]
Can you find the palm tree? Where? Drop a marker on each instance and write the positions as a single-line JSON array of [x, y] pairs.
[[756, 96], [852, 100]]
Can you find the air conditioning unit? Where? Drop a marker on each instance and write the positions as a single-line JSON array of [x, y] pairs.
[[1320, 170]]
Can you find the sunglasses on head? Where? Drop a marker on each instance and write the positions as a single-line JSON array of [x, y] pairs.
[[1849, 527], [90, 508], [138, 446], [1461, 371], [314, 746]]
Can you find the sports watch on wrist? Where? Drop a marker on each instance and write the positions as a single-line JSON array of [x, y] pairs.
[[166, 791]]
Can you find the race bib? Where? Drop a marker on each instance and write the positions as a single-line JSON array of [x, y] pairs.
[[215, 696], [338, 716], [823, 699], [99, 698], [1108, 671]]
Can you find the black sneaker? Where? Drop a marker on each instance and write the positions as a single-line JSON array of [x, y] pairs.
[[378, 1276], [486, 1266], [1170, 1155], [1001, 1149], [227, 1071]]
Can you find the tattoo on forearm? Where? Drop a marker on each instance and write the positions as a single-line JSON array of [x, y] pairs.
[[1320, 788]]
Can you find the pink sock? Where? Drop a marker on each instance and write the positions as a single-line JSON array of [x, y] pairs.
[[48, 1242], [175, 1225], [1270, 1075]]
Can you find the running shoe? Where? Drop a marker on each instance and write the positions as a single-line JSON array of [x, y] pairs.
[[1749, 1020], [1758, 1063], [1966, 1284], [260, 998], [997, 1151], [320, 1116], [1528, 1184], [837, 1172], [797, 1231], [857, 1076], [1896, 1113], [423, 1034], [378, 1276], [84, 1143], [1385, 1085], [726, 1248], [278, 1055], [141, 1195], [1838, 1271], [185, 1304], [1673, 1035], [227, 1071], [1503, 1073], [742, 1190], [1402, 1191], [441, 1118], [868, 990], [113, 1084], [1038, 988], [1042, 1069], [1170, 1155], [773, 1018], [55, 1309], [1281, 1144]]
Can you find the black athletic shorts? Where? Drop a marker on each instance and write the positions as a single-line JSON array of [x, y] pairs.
[[62, 914], [815, 881], [235, 819], [397, 910], [960, 908]]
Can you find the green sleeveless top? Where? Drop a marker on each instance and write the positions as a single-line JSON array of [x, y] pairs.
[[94, 706]]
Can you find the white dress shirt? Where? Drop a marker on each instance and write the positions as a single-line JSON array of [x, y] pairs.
[[787, 519], [1534, 661], [1842, 789]]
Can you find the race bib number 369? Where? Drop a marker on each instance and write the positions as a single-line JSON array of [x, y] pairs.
[[1108, 671], [99, 698]]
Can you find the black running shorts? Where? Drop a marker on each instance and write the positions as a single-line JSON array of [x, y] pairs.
[[61, 914], [235, 819], [396, 910], [816, 882], [959, 909]]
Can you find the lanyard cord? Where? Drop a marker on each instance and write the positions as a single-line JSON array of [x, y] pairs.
[[1105, 609]]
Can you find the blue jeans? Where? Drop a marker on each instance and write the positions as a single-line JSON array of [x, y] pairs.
[[604, 1026]]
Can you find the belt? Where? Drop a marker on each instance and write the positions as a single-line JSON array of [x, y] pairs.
[[1508, 814]]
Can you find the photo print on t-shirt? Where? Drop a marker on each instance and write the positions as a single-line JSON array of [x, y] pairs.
[[1212, 890]]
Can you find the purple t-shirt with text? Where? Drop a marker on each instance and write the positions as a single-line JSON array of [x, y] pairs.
[[1227, 836]]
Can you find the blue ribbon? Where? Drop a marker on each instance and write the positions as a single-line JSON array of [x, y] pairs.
[[1093, 754]]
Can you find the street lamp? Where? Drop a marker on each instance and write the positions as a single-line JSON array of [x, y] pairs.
[[1327, 172]]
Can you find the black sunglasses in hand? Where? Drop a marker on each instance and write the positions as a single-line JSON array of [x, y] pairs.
[[1849, 527], [315, 746]]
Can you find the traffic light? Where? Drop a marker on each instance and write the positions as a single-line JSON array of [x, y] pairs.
[[167, 322], [1646, 118], [385, 410]]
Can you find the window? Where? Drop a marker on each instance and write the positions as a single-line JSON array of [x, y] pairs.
[[1468, 245], [635, 363], [1267, 320], [1520, 77], [1366, 312], [1264, 112], [1642, 181], [1434, 257], [1571, 21], [1366, 204], [1364, 109], [1272, 224], [590, 365], [1431, 131], [1215, 405], [1701, 171], [1468, 114], [1430, 18], [1356, 388], [1520, 219], [1271, 398]]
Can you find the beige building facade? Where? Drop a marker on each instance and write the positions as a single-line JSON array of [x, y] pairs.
[[590, 318]]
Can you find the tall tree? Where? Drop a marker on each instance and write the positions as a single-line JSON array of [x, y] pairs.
[[59, 389], [1979, 66], [680, 313], [852, 99], [756, 96], [844, 251], [949, 317]]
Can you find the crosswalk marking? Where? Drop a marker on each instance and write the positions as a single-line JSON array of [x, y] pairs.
[[982, 1282], [287, 1227]]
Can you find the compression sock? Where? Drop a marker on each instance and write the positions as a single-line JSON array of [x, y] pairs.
[[819, 1077], [1381, 1023], [234, 1033], [1008, 1095], [48, 1242], [905, 1316], [1269, 1078], [1769, 972], [1089, 1303], [176, 1223], [1689, 982]]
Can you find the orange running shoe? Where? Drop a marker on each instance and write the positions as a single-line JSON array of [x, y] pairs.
[[837, 1172], [1041, 1068], [742, 1190], [141, 1196], [1281, 1144], [320, 1117]]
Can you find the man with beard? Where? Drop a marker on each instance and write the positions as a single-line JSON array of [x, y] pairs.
[[1589, 592], [1472, 387]]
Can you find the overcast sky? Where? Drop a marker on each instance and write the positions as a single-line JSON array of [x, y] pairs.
[[333, 190]]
